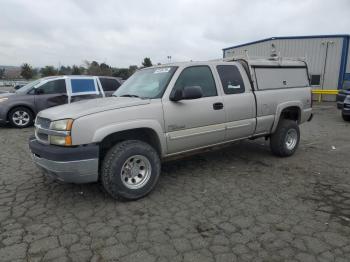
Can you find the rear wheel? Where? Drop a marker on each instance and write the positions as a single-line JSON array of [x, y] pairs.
[[130, 170], [345, 117], [21, 117], [285, 140]]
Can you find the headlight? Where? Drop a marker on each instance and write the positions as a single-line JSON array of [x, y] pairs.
[[3, 99], [63, 137], [61, 140], [62, 125]]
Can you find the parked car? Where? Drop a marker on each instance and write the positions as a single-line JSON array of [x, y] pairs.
[[346, 109], [342, 94], [21, 107], [169, 110]]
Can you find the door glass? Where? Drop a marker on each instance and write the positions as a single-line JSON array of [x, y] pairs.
[[53, 87], [109, 84], [197, 76], [231, 79]]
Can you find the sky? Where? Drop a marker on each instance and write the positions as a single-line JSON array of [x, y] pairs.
[[121, 33]]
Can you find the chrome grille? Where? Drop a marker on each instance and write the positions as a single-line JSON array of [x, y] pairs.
[[43, 122]]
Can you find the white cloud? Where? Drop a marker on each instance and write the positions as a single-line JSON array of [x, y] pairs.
[[123, 32]]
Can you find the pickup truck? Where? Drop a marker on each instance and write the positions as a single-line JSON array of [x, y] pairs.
[[20, 108], [169, 110]]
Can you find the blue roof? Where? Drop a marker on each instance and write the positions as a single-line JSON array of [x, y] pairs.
[[287, 37]]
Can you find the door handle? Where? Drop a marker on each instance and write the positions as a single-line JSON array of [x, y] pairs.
[[218, 106]]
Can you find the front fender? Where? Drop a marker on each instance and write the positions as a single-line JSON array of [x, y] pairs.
[[104, 131]]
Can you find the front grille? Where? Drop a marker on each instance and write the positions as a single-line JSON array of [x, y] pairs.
[[43, 122]]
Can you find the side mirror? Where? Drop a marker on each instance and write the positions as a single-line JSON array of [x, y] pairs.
[[39, 91], [189, 92]]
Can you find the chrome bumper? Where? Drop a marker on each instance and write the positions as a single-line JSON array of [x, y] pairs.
[[79, 171]]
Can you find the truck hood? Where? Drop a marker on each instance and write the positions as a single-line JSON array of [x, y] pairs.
[[87, 107], [5, 94]]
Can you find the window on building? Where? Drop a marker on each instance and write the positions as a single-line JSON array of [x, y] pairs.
[[231, 79], [315, 80], [197, 76]]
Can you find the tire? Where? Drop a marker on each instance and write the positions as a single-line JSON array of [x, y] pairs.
[[345, 117], [21, 117], [130, 170], [285, 140]]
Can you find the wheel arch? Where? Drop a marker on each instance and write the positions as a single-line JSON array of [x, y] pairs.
[[289, 110], [19, 105], [145, 134]]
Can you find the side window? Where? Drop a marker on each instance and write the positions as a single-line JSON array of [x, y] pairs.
[[231, 79], [197, 76], [109, 84], [53, 87], [85, 86]]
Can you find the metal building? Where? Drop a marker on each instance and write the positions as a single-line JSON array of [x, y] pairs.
[[327, 56]]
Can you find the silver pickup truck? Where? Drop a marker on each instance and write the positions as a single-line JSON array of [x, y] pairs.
[[169, 110]]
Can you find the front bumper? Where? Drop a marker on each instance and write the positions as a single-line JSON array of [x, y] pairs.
[[67, 164]]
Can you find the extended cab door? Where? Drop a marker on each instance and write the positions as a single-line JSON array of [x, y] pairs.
[[195, 123], [52, 93], [239, 101]]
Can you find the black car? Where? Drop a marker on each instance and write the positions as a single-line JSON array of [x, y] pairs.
[[346, 108], [342, 94]]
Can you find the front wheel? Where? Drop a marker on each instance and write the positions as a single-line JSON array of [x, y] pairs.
[[130, 170], [285, 140], [21, 117]]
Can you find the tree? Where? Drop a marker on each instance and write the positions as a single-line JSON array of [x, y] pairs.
[[105, 69], [65, 70], [2, 73], [93, 68], [77, 70], [147, 62], [48, 71], [26, 71]]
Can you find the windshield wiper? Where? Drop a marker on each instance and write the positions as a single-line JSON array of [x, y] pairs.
[[128, 95]]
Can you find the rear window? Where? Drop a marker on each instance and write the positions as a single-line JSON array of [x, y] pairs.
[[281, 77]]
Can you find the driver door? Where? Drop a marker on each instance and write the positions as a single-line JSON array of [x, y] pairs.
[[52, 93], [195, 123]]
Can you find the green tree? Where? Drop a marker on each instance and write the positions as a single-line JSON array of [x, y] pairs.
[[26, 71], [48, 71], [93, 68], [105, 69], [147, 62], [65, 70], [77, 70]]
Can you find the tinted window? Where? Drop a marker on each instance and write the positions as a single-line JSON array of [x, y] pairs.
[[83, 85], [109, 84], [231, 79], [53, 87], [197, 76]]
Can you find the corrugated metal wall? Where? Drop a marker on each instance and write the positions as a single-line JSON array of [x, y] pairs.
[[314, 49], [348, 62]]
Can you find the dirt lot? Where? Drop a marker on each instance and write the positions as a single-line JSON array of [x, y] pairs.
[[236, 204]]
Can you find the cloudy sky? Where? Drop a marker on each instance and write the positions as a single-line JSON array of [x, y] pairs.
[[121, 33]]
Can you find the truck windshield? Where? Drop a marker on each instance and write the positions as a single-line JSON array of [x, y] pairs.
[[147, 83], [27, 87]]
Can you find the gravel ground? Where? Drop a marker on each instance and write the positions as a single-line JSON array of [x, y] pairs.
[[238, 203]]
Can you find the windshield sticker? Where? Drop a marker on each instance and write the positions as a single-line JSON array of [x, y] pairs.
[[162, 70]]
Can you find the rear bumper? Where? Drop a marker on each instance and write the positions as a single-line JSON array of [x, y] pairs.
[[72, 165]]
